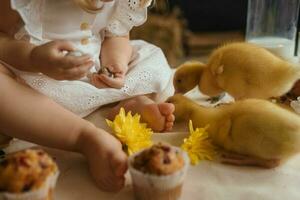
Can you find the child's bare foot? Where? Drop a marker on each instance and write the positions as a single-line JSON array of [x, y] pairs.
[[159, 117], [107, 161]]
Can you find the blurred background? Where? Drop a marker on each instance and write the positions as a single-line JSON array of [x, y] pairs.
[[190, 29]]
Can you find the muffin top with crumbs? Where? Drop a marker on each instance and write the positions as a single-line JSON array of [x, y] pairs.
[[160, 159], [25, 170]]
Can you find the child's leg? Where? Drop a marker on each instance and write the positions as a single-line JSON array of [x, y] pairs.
[[159, 116], [29, 115]]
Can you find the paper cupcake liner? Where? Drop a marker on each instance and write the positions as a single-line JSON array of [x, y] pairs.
[[43, 193], [296, 105], [165, 187]]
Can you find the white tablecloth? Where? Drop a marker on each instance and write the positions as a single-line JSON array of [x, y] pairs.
[[207, 181]]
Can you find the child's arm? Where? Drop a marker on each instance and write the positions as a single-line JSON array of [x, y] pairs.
[[115, 55], [48, 58], [16, 49], [116, 51], [29, 115]]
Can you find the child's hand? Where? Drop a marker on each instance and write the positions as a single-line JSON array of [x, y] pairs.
[[116, 53], [50, 59], [103, 80], [107, 161]]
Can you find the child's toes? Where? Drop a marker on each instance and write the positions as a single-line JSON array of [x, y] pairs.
[[169, 126], [104, 183], [170, 118], [166, 108], [96, 81]]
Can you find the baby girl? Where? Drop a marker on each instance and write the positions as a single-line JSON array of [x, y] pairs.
[[52, 57]]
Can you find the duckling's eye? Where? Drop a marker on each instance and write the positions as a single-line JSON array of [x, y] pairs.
[[178, 80]]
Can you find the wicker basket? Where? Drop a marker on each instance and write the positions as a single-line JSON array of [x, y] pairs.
[[164, 31]]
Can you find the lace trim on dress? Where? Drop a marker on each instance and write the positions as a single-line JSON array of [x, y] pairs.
[[128, 13]]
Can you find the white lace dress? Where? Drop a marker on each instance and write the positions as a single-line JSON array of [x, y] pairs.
[[46, 20]]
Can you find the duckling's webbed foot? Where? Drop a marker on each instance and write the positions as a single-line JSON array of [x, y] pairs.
[[243, 160]]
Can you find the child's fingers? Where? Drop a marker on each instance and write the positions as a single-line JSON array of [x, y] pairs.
[[97, 82], [119, 183], [78, 72], [110, 184], [117, 68], [116, 82], [73, 61], [119, 164], [63, 45], [115, 184]]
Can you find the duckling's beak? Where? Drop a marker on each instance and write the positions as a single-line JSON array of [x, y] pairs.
[[169, 99]]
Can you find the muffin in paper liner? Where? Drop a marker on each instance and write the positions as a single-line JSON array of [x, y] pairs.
[[158, 187], [30, 174], [43, 193]]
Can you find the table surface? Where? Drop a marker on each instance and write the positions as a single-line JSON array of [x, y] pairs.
[[208, 180]]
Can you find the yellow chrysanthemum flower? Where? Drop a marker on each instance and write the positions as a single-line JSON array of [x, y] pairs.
[[198, 145], [133, 135]]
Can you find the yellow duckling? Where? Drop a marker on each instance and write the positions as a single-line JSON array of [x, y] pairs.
[[255, 132], [241, 69]]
